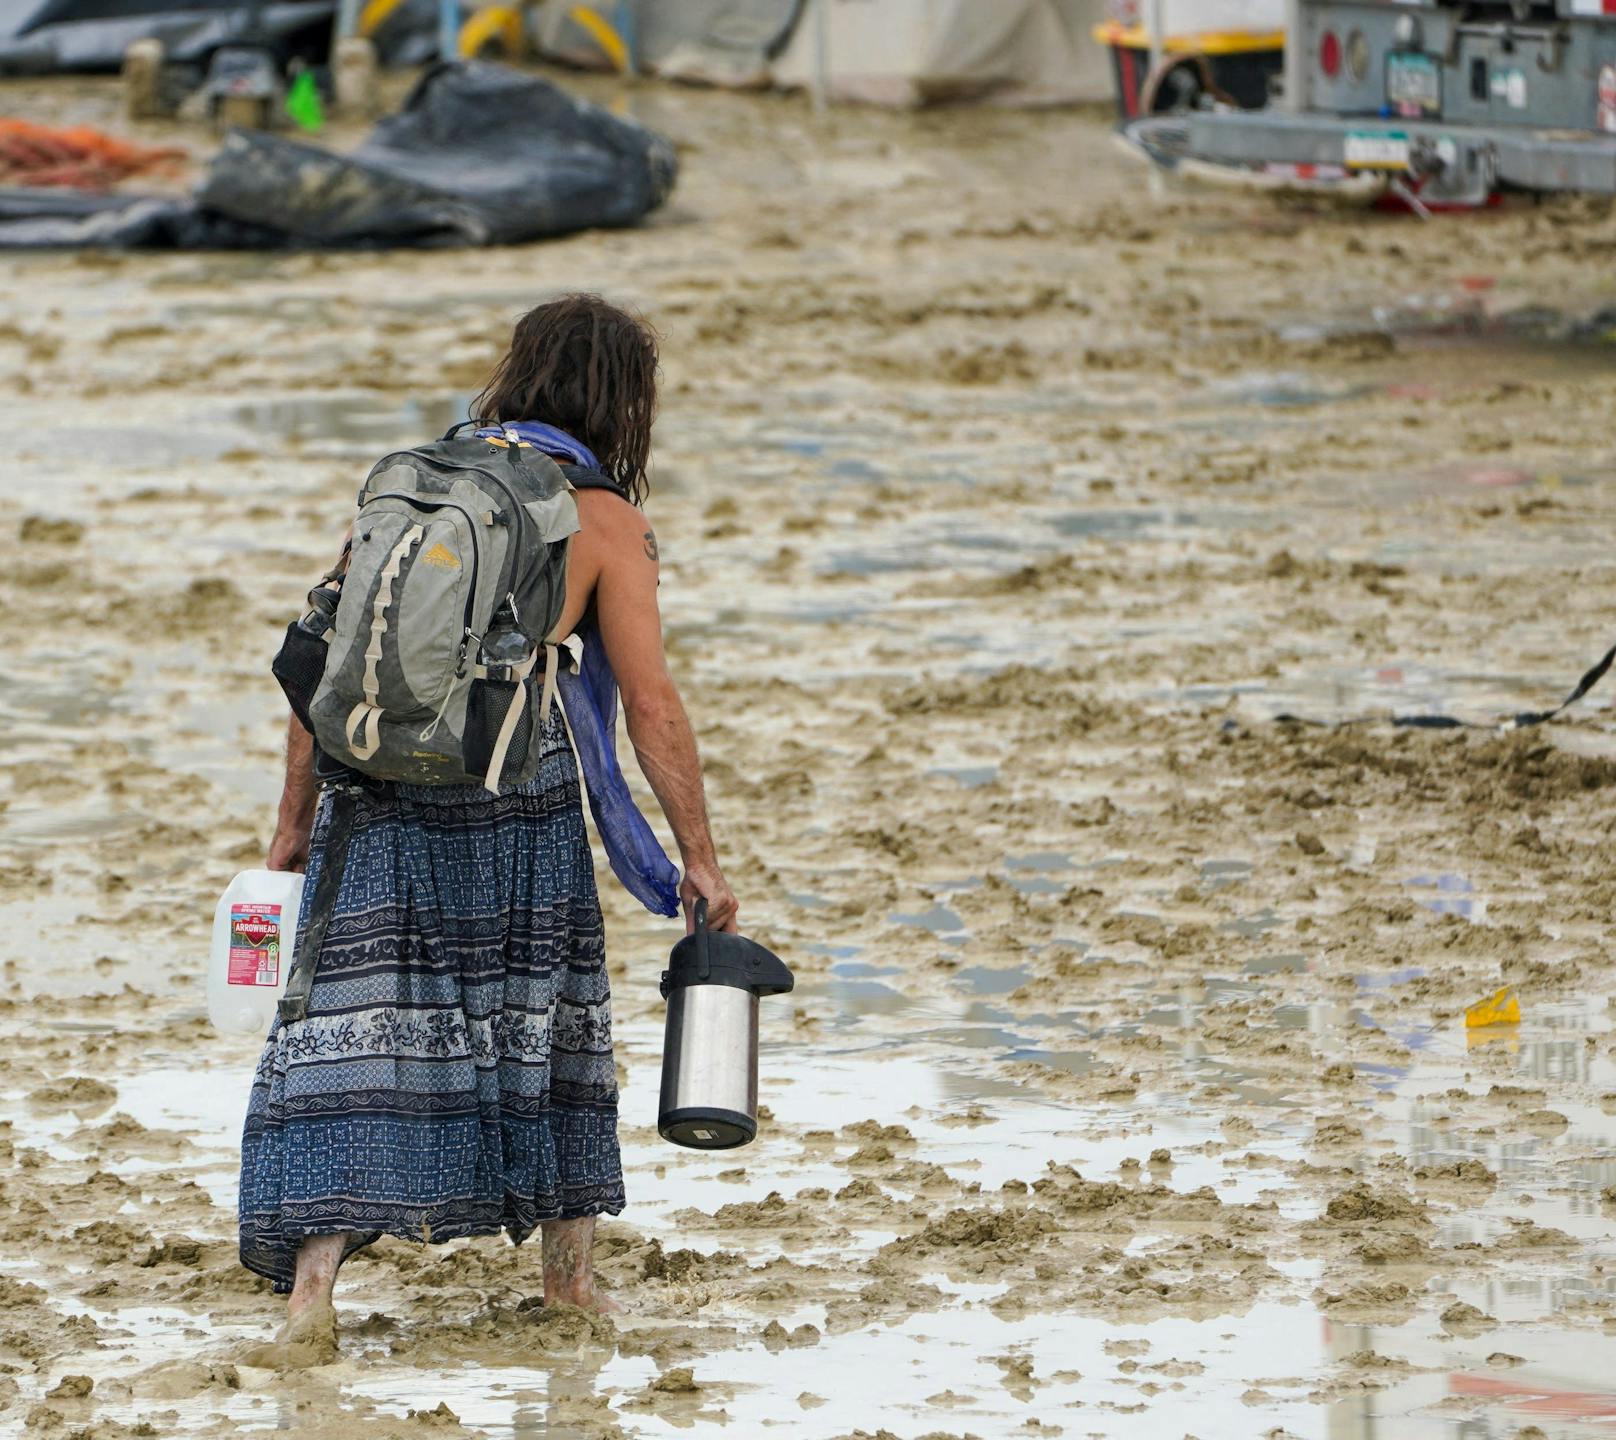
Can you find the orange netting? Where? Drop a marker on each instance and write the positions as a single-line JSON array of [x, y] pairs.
[[78, 156]]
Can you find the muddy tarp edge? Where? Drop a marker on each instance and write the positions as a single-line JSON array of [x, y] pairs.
[[481, 154]]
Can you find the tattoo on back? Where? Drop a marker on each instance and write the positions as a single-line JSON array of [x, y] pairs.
[[652, 553]]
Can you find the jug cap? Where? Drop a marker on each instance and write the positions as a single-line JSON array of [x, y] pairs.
[[714, 957]]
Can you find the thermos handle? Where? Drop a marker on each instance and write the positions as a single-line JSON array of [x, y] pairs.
[[704, 959]]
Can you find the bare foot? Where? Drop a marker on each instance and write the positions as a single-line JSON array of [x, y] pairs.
[[569, 1272], [306, 1340], [597, 1302], [600, 1302]]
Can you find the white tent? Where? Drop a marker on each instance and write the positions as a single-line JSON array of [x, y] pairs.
[[894, 52], [913, 52]]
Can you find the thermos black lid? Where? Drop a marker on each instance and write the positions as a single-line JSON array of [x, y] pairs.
[[713, 957]]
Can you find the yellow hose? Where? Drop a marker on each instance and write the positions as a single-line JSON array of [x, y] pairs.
[[492, 22], [601, 30]]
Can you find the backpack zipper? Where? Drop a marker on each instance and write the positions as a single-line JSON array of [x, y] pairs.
[[476, 559], [521, 519]]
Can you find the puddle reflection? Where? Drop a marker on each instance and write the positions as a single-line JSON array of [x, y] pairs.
[[1455, 895]]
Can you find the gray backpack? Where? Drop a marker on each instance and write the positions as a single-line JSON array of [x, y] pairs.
[[455, 582]]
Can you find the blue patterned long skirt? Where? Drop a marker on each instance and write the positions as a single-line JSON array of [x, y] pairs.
[[454, 1075]]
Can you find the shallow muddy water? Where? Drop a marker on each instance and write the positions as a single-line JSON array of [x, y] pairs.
[[1271, 1361]]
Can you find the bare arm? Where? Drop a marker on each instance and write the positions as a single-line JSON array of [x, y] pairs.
[[631, 628], [289, 850]]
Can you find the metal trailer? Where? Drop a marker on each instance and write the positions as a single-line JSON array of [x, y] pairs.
[[1449, 102]]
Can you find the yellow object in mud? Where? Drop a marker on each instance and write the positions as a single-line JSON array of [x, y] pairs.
[[375, 14], [602, 32], [1503, 1009], [492, 24]]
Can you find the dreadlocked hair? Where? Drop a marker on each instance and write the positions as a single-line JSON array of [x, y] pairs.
[[590, 368]]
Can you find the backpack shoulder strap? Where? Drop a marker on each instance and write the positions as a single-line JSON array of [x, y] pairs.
[[583, 477]]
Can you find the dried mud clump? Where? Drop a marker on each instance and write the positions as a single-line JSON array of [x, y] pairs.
[[1469, 1171], [75, 1092], [1388, 1301], [992, 1235], [1465, 1319], [1079, 1199], [775, 1336], [680, 1267], [773, 1212], [1363, 1203], [565, 1327]]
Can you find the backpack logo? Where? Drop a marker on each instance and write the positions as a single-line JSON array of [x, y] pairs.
[[441, 556]]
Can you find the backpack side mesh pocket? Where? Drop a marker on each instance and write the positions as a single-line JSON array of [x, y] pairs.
[[299, 666], [487, 704]]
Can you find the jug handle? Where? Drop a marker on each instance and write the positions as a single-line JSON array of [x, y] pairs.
[[704, 959]]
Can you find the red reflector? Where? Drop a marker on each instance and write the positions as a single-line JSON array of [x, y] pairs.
[[1330, 54]]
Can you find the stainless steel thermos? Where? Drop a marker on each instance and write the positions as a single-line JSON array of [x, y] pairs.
[[710, 1052]]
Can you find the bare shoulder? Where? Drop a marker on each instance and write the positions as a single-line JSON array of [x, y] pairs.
[[615, 527]]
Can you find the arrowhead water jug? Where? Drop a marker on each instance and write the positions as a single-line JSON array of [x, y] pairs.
[[710, 1050], [254, 930]]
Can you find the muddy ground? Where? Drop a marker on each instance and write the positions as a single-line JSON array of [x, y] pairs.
[[1005, 502]]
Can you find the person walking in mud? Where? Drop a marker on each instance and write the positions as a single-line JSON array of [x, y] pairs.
[[448, 1068]]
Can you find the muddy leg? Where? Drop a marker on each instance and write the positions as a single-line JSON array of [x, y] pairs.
[[317, 1265], [569, 1269], [309, 1336]]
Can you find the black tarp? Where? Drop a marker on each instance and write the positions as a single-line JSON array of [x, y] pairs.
[[480, 155], [41, 36]]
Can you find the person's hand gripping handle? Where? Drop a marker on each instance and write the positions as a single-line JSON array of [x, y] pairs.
[[706, 882]]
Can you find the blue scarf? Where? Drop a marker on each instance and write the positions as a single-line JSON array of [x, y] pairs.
[[547, 439], [590, 701]]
